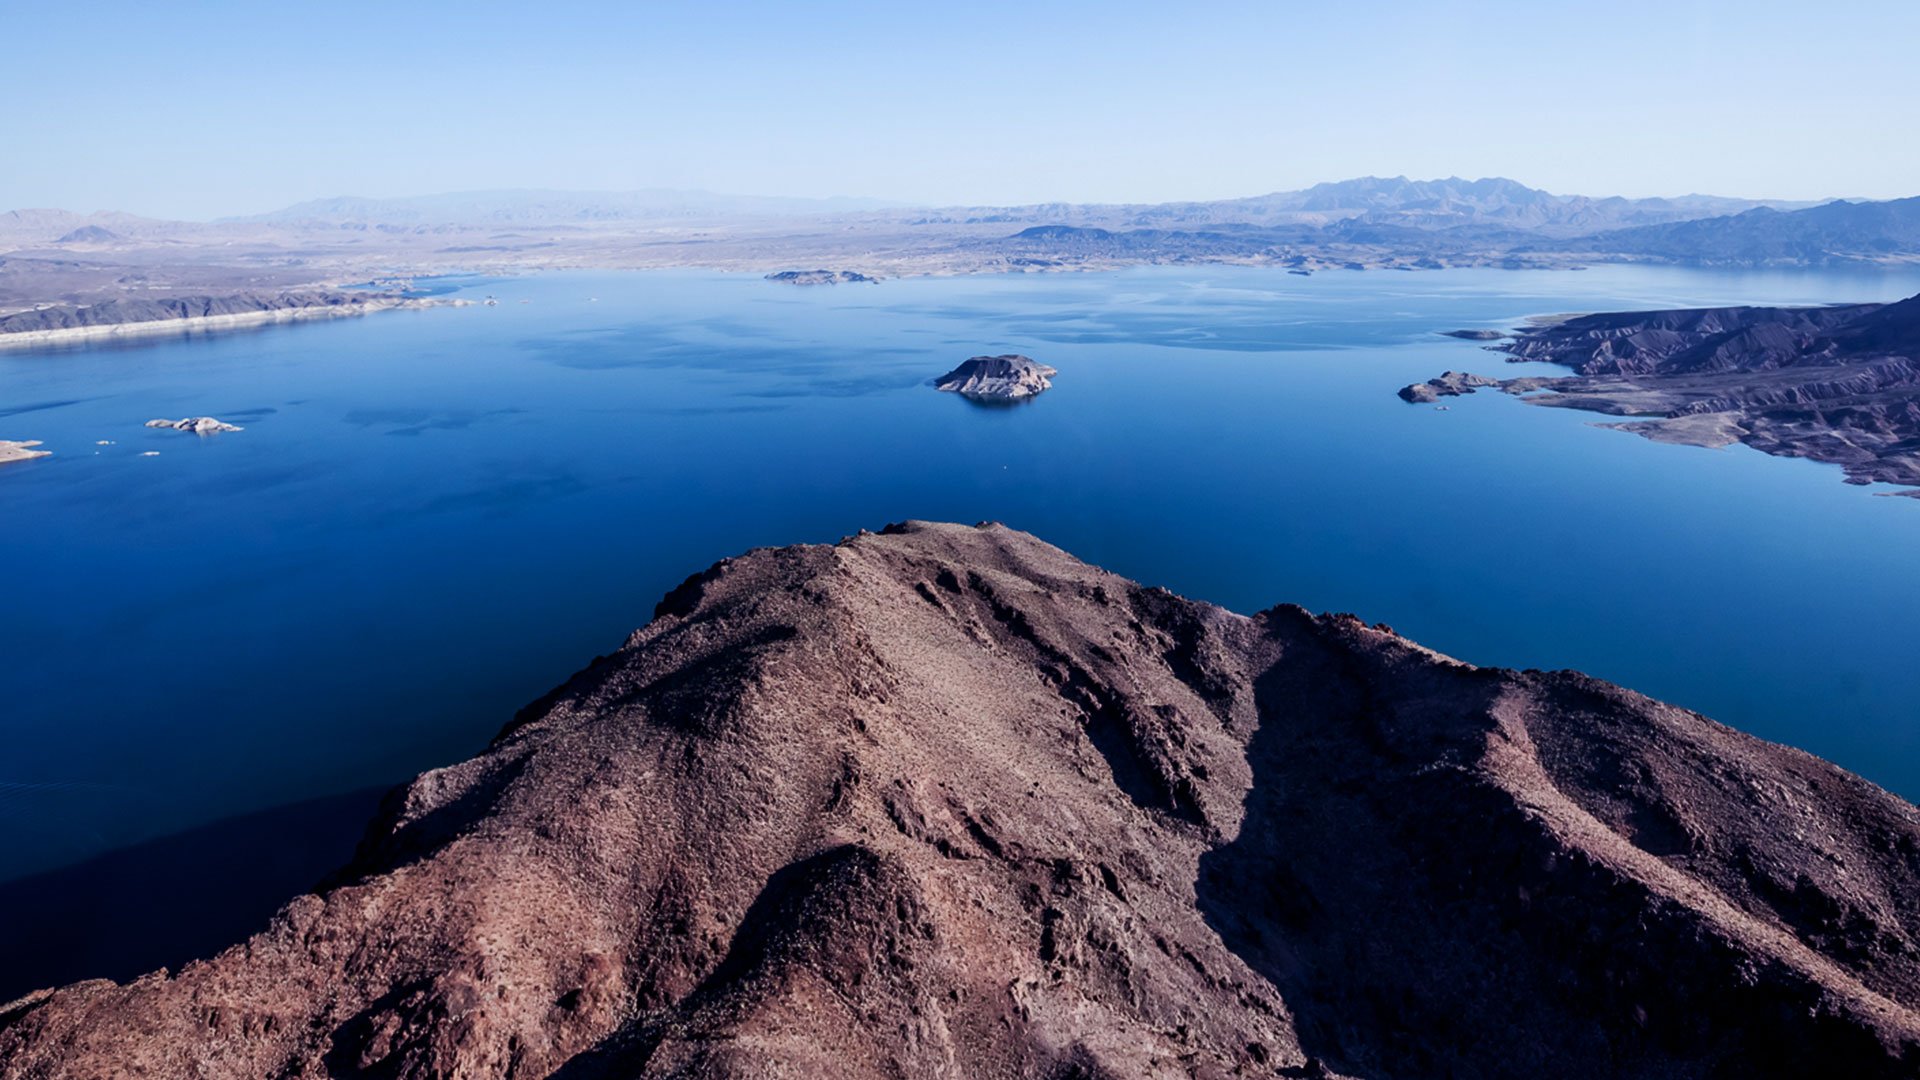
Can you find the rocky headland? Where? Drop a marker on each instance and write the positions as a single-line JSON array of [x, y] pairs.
[[947, 802], [998, 379], [1837, 384]]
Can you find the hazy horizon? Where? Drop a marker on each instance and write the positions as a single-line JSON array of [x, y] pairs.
[[857, 202], [1008, 105]]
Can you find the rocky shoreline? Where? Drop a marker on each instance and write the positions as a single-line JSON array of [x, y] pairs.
[[945, 801], [1837, 384], [121, 319]]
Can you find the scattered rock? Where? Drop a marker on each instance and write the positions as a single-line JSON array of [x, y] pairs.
[[1011, 377]]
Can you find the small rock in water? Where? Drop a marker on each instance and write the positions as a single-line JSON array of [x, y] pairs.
[[199, 425]]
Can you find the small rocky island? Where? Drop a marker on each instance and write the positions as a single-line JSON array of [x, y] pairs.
[[1011, 377], [1450, 384], [11, 450], [822, 277], [1838, 384], [199, 425]]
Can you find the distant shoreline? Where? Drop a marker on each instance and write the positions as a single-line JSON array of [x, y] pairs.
[[70, 335]]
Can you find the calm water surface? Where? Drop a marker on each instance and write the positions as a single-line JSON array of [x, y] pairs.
[[433, 517]]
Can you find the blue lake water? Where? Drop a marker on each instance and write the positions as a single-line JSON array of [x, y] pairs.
[[433, 517]]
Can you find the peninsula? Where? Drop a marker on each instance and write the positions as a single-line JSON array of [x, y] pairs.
[[1837, 384], [944, 801], [13, 450]]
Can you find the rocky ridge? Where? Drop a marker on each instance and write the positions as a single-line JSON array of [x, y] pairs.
[[947, 802]]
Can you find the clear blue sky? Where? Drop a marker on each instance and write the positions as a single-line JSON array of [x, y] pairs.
[[201, 109]]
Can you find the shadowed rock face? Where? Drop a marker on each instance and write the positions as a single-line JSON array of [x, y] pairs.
[[946, 802]]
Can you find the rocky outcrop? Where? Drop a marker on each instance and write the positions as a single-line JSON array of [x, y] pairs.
[[998, 378], [946, 802], [199, 425], [1449, 384], [1475, 335]]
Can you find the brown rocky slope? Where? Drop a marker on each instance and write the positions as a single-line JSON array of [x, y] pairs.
[[946, 802]]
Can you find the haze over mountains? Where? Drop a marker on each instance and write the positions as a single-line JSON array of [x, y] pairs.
[[1447, 203], [61, 257]]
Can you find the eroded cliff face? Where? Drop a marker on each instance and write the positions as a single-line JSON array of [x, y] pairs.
[[945, 801]]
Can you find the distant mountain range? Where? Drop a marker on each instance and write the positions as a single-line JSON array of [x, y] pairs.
[[1836, 232], [1365, 223], [1394, 201]]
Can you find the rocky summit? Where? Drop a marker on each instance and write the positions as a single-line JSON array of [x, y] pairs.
[[946, 802]]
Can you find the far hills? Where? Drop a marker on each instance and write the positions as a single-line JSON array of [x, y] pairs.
[[61, 257]]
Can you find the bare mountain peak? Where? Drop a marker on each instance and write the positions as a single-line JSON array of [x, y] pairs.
[[944, 801]]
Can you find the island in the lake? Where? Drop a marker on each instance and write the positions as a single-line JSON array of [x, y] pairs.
[[1838, 384], [1447, 384], [821, 277], [20, 450], [945, 801], [198, 425], [131, 317], [1008, 378]]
